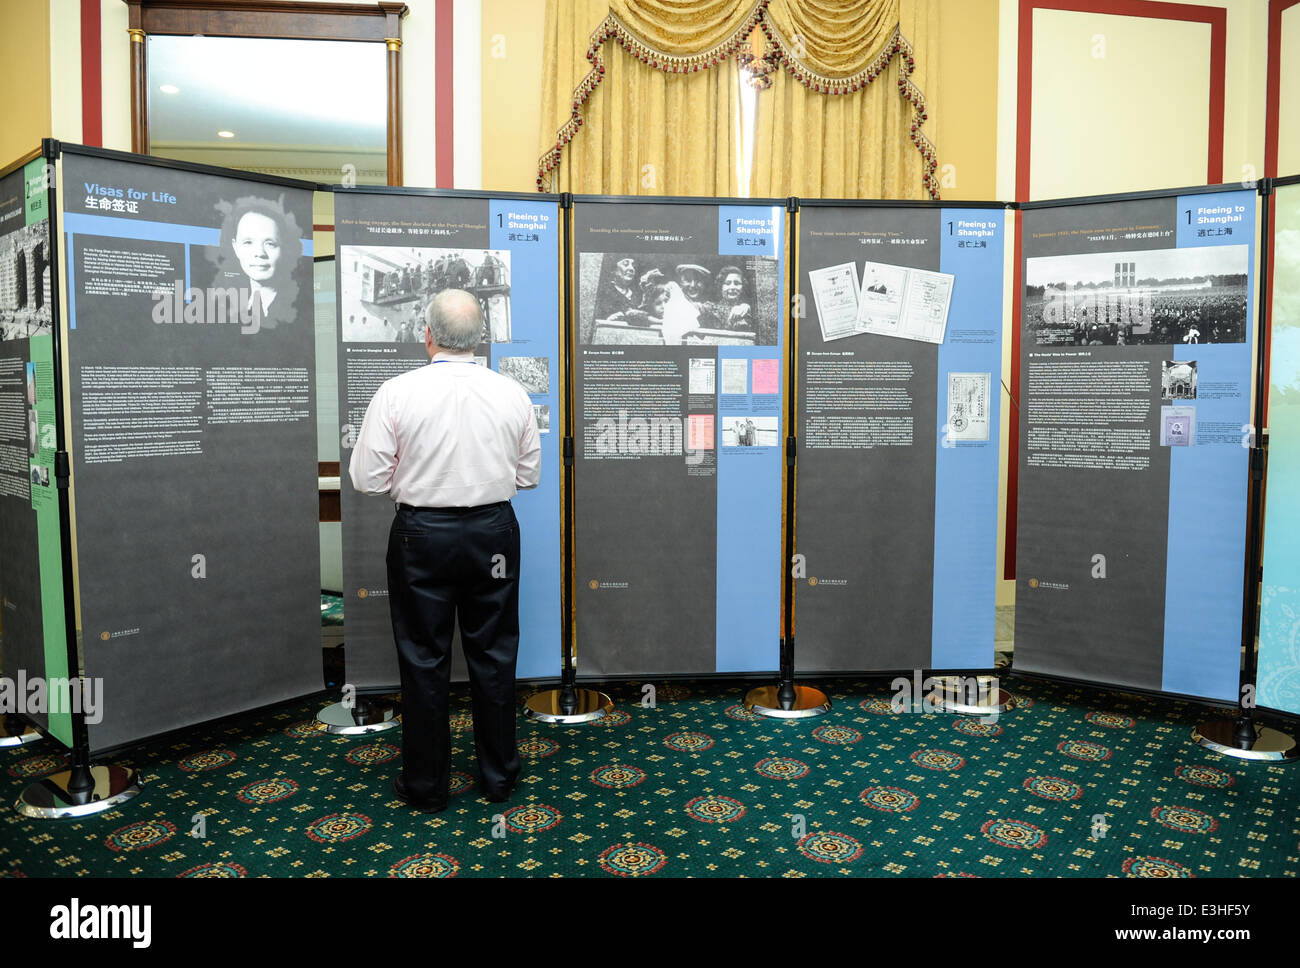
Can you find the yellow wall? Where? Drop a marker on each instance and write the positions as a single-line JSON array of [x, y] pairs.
[[25, 74], [1119, 104], [965, 134], [512, 92], [1288, 125], [1135, 117]]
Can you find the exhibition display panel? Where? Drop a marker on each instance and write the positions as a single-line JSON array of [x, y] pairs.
[[1279, 635], [31, 414], [191, 353], [1136, 346], [395, 250], [899, 357], [770, 412], [679, 343]]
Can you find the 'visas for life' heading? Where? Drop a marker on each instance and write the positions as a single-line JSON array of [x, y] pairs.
[[93, 188]]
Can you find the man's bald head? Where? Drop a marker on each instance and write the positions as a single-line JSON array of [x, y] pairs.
[[455, 321]]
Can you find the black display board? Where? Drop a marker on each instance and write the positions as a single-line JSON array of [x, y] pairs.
[[678, 424], [1136, 346], [191, 358], [396, 250], [898, 394]]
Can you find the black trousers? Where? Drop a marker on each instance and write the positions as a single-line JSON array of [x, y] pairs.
[[446, 564]]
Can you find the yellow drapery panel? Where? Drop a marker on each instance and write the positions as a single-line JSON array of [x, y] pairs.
[[652, 133], [855, 145], [666, 117], [644, 131]]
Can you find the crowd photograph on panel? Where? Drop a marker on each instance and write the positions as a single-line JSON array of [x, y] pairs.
[[385, 290], [1164, 296]]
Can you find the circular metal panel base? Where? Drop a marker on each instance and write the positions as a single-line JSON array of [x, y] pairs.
[[545, 707], [1270, 745], [338, 719], [8, 739], [49, 799], [808, 702], [956, 696]]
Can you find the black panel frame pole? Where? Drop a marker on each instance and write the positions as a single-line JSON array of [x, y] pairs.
[[80, 781], [569, 672], [785, 692], [1245, 726]]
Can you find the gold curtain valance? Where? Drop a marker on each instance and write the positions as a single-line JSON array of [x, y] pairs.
[[684, 28], [829, 40], [829, 47], [832, 40]]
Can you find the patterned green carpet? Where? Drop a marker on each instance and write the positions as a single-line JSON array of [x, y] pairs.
[[698, 787]]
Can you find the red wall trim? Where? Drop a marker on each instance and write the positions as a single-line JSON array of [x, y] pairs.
[[444, 95], [1217, 18], [92, 76]]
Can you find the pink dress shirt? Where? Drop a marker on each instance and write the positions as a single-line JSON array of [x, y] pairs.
[[450, 434]]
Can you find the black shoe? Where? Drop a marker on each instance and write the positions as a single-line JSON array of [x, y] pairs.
[[498, 796], [399, 788]]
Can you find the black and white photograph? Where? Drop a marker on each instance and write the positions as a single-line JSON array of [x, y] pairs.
[[543, 413], [1158, 297], [385, 289], [260, 254], [533, 373], [1178, 380], [749, 431], [25, 293], [678, 300]]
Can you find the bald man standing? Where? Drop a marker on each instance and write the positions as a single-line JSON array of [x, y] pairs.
[[451, 443]]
